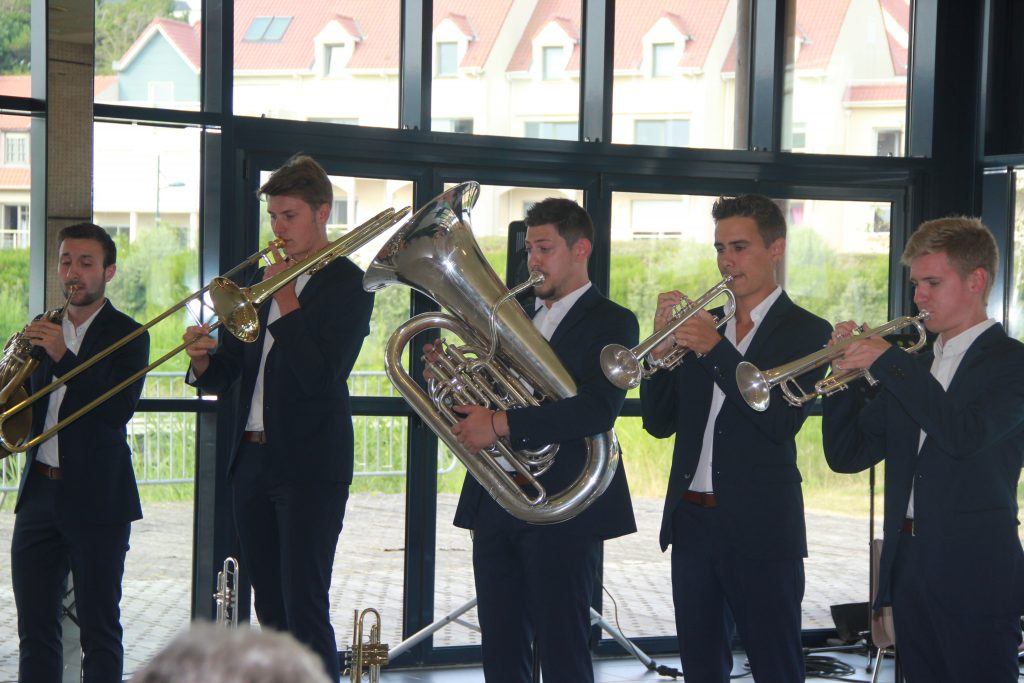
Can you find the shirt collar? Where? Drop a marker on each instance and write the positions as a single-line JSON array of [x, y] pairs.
[[566, 302], [959, 344], [759, 311]]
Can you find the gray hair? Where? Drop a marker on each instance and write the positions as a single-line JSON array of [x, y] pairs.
[[206, 653]]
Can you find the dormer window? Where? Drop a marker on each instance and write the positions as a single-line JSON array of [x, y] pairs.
[[335, 58], [267, 29], [662, 59], [553, 61], [447, 59]]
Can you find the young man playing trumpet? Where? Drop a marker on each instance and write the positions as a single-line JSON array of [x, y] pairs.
[[950, 426], [292, 464], [734, 509], [78, 495]]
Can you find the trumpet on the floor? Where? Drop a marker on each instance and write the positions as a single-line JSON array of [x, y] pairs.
[[626, 368], [755, 385], [367, 655], [227, 594]]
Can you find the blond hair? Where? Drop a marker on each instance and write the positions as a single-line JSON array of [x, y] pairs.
[[965, 241]]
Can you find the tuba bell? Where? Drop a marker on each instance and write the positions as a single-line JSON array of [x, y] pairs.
[[504, 363]]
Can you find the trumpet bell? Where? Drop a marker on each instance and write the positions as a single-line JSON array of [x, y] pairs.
[[235, 309], [754, 386], [621, 367]]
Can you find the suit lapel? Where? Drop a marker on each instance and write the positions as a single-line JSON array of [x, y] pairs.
[[772, 319], [575, 314], [979, 349]]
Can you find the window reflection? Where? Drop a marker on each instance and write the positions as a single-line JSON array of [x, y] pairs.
[[846, 77]]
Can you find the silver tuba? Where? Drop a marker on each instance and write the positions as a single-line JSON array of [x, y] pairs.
[[504, 362]]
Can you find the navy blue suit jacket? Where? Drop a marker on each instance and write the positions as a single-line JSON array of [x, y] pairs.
[[965, 477], [98, 481], [306, 412], [593, 322], [755, 477]]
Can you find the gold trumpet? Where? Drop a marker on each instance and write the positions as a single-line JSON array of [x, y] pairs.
[[755, 385], [235, 308], [626, 368], [366, 656]]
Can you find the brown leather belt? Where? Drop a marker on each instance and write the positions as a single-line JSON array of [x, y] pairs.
[[908, 526], [45, 470], [254, 437], [704, 500]]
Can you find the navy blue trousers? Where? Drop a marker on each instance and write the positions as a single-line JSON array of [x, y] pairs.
[[713, 586], [288, 534], [938, 646], [44, 547], [534, 582]]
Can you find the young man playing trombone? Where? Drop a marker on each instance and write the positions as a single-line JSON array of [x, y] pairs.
[[78, 495], [292, 464], [734, 509], [950, 426]]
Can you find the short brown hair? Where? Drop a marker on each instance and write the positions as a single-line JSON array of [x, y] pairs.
[[302, 177], [571, 219], [91, 231], [965, 241], [771, 225]]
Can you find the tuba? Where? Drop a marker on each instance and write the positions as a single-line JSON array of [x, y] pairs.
[[504, 363]]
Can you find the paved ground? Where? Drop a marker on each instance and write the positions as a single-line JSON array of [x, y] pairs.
[[368, 573]]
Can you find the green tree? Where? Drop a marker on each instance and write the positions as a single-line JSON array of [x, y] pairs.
[[15, 36], [119, 23]]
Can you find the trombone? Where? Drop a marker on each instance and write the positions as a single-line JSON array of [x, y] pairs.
[[755, 385], [625, 368], [235, 308]]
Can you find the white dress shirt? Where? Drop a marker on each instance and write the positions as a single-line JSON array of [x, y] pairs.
[[947, 359], [702, 476], [254, 423], [48, 450], [548, 318]]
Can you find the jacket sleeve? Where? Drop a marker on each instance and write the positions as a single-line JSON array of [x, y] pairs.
[[853, 428], [597, 402], [962, 430], [225, 365], [658, 402]]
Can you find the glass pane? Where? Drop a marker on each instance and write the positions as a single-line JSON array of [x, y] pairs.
[[148, 54], [312, 61], [146, 194], [357, 200], [15, 200], [837, 267], [507, 67], [675, 77], [845, 88], [16, 48], [1016, 321]]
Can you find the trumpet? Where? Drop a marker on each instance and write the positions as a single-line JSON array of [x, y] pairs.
[[235, 308], [226, 596], [19, 361], [626, 368], [755, 385], [366, 656]]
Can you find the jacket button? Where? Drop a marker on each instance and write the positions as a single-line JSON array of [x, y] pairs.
[[686, 476]]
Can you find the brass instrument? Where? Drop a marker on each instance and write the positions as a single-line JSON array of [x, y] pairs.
[[504, 362], [21, 358], [366, 656], [755, 385], [235, 308], [226, 596], [626, 368]]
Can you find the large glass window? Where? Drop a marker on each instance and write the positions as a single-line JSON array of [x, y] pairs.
[[318, 61], [674, 78], [148, 54], [1016, 322], [507, 67], [15, 47], [837, 267], [15, 194], [846, 77]]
